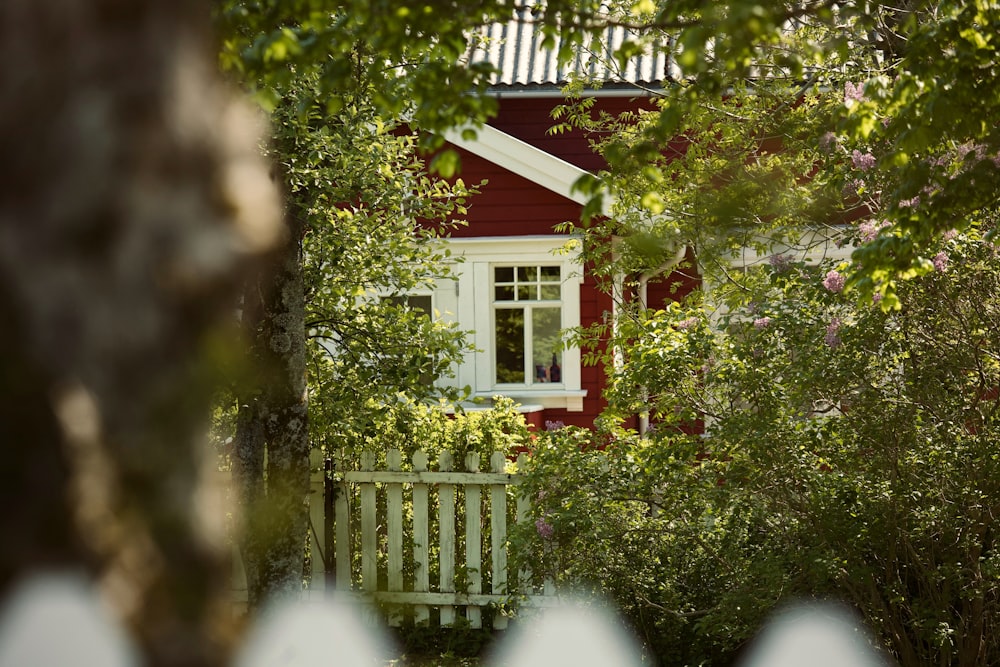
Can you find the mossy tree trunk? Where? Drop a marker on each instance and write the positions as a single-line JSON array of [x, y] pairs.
[[271, 461]]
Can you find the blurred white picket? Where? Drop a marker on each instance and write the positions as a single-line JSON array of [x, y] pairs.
[[328, 632]]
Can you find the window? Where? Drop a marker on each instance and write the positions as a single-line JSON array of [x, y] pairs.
[[516, 296], [527, 320], [419, 302]]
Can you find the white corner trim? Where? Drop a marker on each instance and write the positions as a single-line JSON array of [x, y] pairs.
[[520, 157]]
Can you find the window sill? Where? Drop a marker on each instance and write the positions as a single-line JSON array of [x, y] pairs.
[[563, 399]]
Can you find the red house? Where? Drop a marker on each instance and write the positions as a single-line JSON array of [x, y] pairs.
[[513, 290]]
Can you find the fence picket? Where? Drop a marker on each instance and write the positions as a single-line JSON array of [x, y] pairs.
[[498, 535], [421, 537], [446, 537], [473, 540], [317, 547], [524, 577], [394, 526], [369, 536], [342, 533]]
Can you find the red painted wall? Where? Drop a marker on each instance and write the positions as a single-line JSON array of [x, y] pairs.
[[529, 119], [509, 205]]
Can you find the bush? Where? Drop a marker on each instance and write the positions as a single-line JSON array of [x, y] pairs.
[[846, 452]]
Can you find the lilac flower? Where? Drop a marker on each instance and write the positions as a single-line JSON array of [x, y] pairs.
[[834, 281], [853, 92], [554, 425], [869, 229], [950, 235], [828, 141], [780, 263], [862, 161], [876, 297], [687, 323], [913, 202], [940, 262], [762, 322], [544, 528], [831, 338]]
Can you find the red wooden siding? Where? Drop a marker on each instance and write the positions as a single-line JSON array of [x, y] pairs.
[[510, 205], [529, 119]]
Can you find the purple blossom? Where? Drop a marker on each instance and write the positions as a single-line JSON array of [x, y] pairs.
[[940, 262], [869, 229], [950, 235], [831, 338], [862, 161], [762, 322], [912, 202], [828, 141], [876, 297], [855, 187], [687, 323], [834, 281], [853, 92], [554, 425], [544, 528], [780, 263]]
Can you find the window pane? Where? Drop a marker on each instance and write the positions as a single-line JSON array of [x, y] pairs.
[[545, 326], [550, 274], [503, 274], [526, 293], [527, 274], [510, 345], [504, 293], [420, 302], [550, 292]]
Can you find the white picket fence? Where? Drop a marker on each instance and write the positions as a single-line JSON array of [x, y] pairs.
[[398, 507]]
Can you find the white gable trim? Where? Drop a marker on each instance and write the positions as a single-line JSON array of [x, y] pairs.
[[523, 159]]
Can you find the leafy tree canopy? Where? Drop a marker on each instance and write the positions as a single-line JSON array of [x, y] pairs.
[[792, 117]]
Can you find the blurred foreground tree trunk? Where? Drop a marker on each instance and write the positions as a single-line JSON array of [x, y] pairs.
[[133, 199]]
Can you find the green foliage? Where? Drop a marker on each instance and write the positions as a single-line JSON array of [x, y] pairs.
[[788, 119], [372, 215], [805, 445], [409, 426]]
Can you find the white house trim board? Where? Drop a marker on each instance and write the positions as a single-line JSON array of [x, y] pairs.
[[523, 159]]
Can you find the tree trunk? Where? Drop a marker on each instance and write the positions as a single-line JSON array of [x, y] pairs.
[[133, 195], [272, 440]]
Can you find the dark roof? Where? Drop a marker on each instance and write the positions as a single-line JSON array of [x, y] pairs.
[[515, 49]]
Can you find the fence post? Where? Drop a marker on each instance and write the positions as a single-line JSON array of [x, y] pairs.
[[446, 538], [421, 536], [473, 540], [328, 511]]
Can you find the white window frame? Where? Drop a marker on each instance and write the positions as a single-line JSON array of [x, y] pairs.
[[470, 300]]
